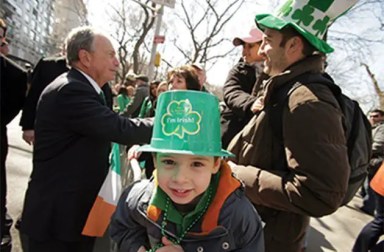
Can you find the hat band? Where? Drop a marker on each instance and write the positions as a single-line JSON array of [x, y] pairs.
[[192, 146]]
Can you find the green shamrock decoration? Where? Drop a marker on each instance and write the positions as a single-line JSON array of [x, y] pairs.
[[286, 9], [321, 26], [304, 15], [180, 119]]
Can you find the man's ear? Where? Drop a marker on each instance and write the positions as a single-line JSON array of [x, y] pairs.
[[84, 57], [294, 45]]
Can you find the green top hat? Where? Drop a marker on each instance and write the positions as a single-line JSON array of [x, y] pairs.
[[310, 18], [187, 122]]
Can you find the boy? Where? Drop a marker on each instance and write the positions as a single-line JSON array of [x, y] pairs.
[[192, 203]]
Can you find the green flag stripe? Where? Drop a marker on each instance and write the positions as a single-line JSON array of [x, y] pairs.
[[115, 158]]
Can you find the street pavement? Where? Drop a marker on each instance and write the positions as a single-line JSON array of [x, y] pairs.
[[335, 232]]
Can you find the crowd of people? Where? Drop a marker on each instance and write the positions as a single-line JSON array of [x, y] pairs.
[[246, 176]]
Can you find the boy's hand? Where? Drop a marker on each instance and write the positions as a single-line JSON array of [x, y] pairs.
[[169, 246], [133, 153]]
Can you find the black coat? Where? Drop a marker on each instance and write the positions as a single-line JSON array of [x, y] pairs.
[[13, 84], [73, 132], [46, 71], [238, 99]]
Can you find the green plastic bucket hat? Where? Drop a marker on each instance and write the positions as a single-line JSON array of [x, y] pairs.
[[187, 122], [310, 18]]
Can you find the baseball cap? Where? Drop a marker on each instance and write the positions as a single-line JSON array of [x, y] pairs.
[[254, 35]]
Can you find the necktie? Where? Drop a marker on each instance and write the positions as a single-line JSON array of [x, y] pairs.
[[102, 97]]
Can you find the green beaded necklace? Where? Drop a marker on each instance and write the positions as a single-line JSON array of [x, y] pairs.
[[165, 217]]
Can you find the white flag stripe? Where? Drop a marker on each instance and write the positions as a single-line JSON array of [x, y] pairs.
[[111, 188]]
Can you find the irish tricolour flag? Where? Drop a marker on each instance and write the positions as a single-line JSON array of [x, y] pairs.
[[106, 201]]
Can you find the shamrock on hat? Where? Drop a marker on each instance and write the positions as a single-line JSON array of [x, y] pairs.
[[310, 18], [180, 119]]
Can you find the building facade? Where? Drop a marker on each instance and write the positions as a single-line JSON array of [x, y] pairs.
[[37, 28]]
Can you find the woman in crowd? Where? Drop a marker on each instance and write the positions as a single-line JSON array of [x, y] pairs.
[[183, 78]]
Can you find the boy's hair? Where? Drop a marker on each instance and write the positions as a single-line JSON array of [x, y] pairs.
[[289, 32], [189, 74]]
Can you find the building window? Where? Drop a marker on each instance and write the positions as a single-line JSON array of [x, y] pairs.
[[19, 12], [32, 35], [33, 23]]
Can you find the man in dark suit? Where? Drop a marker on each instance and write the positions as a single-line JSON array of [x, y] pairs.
[[46, 70], [13, 85], [73, 131]]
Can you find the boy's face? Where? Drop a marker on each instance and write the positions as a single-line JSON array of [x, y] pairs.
[[184, 177]]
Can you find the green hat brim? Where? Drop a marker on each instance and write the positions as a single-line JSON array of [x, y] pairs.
[[222, 153], [269, 21]]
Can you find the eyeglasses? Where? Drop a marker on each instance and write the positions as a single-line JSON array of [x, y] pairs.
[[374, 116]]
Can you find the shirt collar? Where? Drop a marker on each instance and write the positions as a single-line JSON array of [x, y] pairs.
[[92, 81]]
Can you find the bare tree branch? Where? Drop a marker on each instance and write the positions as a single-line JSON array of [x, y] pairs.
[[205, 16], [375, 84], [132, 21]]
